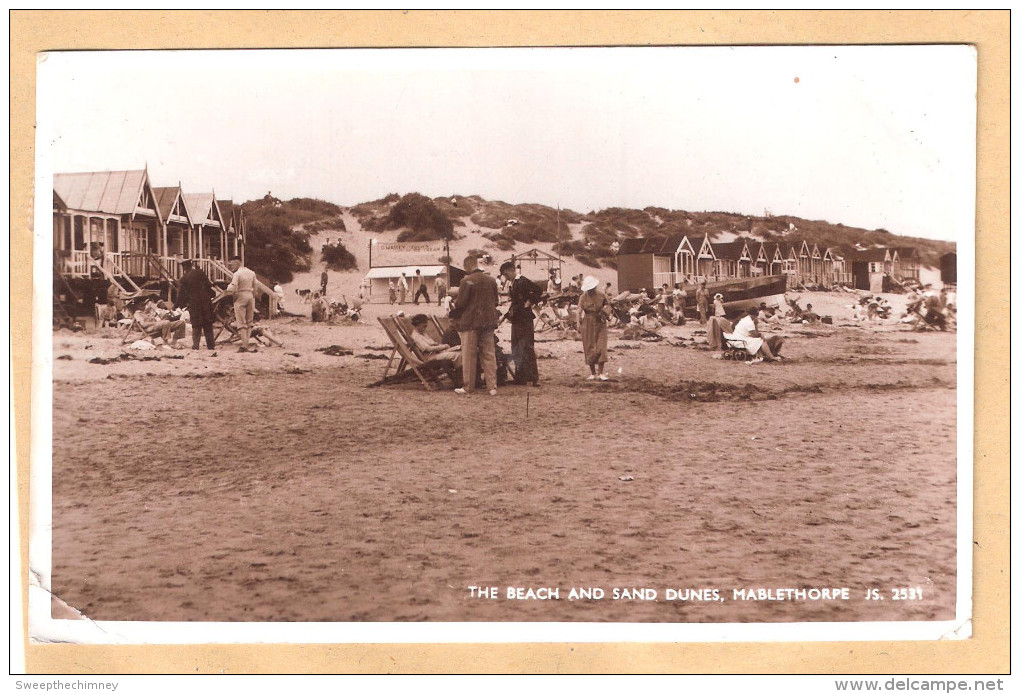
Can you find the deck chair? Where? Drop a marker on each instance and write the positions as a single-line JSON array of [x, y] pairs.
[[429, 372], [223, 320], [131, 330], [443, 323]]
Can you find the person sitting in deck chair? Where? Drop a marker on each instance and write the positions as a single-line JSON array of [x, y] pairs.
[[746, 331], [429, 347], [164, 326]]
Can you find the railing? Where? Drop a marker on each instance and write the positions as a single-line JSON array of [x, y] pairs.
[[214, 269], [133, 264], [667, 278], [77, 264], [172, 266]]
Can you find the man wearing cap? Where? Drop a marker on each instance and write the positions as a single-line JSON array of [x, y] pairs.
[[523, 295], [242, 286], [477, 316], [195, 291]]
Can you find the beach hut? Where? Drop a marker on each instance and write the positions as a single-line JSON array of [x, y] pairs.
[[110, 217], [947, 267], [643, 263], [209, 238], [869, 268], [906, 263], [733, 260], [177, 228], [816, 264], [705, 259]]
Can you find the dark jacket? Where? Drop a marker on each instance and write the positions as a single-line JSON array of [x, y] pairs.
[[195, 292], [523, 291], [477, 298]]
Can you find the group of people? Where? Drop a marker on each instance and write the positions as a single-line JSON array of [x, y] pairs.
[[930, 309], [401, 286], [476, 315]]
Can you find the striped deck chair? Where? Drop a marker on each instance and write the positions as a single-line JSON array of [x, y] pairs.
[[429, 372]]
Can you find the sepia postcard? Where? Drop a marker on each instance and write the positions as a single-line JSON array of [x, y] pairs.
[[724, 390]]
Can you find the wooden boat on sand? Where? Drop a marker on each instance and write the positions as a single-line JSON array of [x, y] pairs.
[[739, 295]]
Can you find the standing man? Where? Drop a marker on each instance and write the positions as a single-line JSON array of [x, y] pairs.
[[702, 296], [402, 287], [242, 286], [440, 288], [476, 317], [393, 292], [323, 280], [523, 295], [196, 293], [422, 290]]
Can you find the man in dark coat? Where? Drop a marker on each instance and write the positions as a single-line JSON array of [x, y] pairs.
[[477, 317], [523, 295], [195, 291]]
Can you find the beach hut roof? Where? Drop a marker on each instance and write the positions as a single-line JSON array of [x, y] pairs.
[[907, 251], [110, 192], [734, 250], [872, 255], [227, 210], [202, 208], [705, 248]]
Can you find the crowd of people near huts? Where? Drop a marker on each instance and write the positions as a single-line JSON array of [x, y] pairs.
[[584, 306], [163, 323]]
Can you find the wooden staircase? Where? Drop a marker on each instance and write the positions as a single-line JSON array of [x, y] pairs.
[[118, 276], [161, 275]]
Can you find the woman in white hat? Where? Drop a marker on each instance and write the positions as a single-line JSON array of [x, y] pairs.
[[717, 307], [593, 312]]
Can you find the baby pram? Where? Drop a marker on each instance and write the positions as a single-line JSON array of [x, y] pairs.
[[735, 348]]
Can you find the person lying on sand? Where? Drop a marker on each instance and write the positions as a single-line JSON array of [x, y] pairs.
[[259, 333]]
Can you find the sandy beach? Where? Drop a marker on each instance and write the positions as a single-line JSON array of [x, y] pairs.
[[278, 486]]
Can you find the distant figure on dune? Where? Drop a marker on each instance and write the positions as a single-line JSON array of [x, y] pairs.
[[323, 280]]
